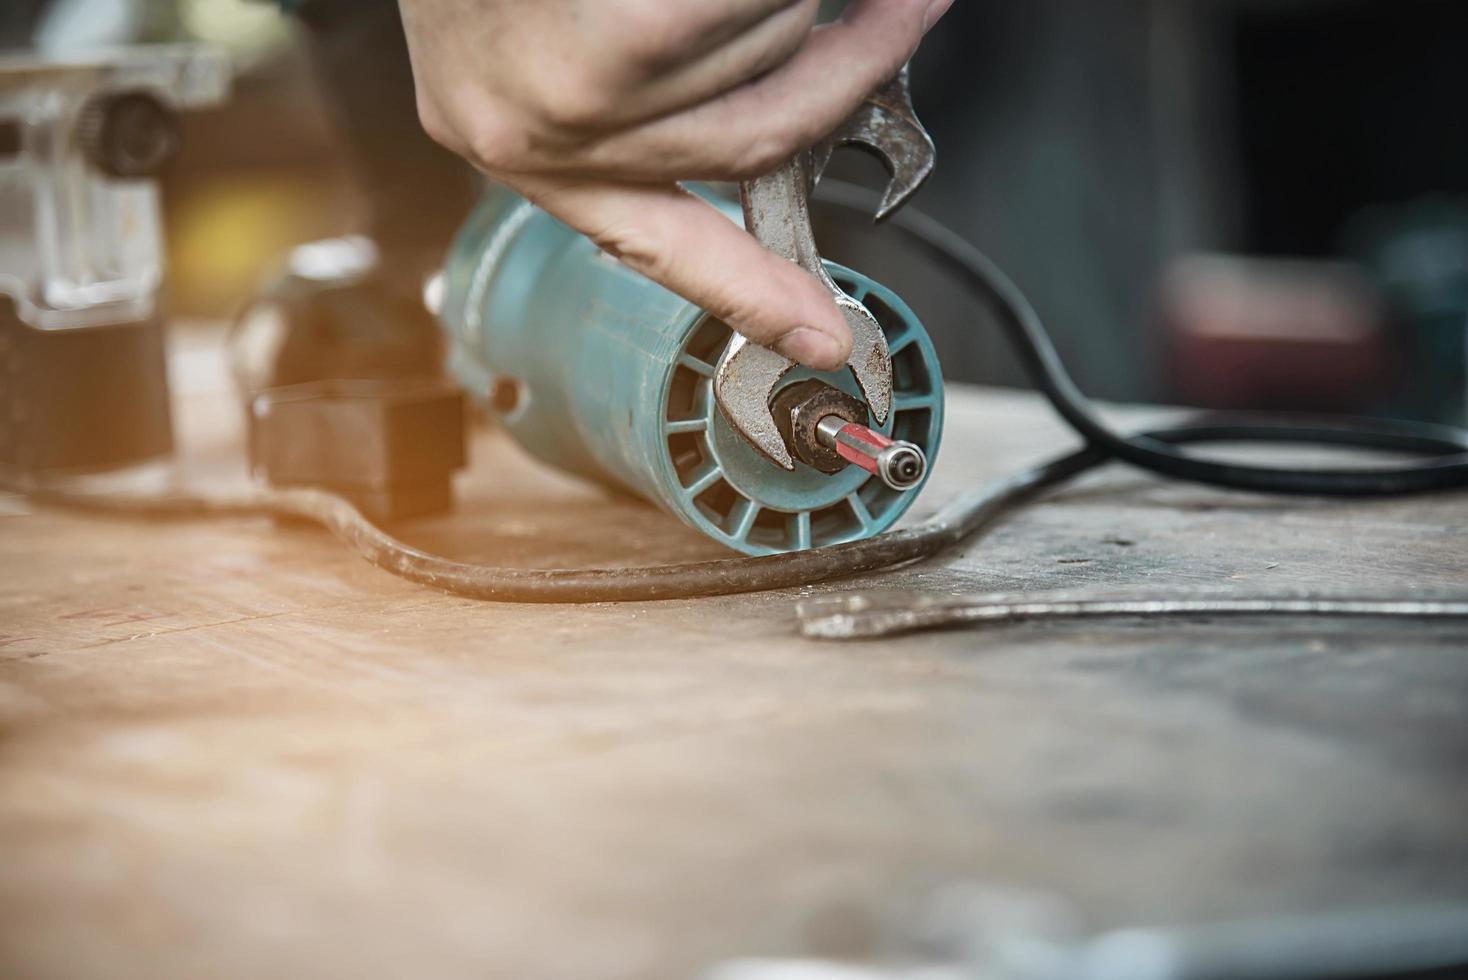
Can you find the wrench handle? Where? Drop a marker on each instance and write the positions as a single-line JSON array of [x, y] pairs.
[[776, 213]]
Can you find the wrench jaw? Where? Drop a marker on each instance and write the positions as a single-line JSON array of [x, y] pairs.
[[870, 361], [744, 383], [747, 375], [887, 127]]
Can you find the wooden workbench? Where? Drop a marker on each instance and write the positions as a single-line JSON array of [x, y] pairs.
[[233, 749]]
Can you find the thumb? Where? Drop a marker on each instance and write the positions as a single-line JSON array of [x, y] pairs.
[[685, 244]]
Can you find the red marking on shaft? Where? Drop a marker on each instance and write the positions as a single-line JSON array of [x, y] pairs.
[[860, 446]]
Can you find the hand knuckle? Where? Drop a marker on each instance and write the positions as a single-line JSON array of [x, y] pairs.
[[648, 35], [641, 245], [762, 154], [743, 317], [634, 247], [495, 142], [576, 100], [436, 125]]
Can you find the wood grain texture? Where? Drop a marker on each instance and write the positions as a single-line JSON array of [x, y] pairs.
[[232, 749]]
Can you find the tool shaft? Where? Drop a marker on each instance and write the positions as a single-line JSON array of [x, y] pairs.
[[899, 464]]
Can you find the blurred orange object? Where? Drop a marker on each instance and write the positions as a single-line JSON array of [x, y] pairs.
[[1271, 333]]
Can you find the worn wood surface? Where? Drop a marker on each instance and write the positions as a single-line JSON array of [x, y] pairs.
[[232, 749]]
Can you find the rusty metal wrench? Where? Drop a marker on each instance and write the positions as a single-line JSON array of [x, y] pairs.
[[777, 213]]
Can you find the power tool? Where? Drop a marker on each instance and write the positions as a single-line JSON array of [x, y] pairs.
[[599, 371], [82, 144]]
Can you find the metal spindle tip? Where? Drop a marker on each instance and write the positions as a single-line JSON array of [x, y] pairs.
[[902, 466]]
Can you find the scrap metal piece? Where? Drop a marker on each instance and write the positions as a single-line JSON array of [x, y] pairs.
[[866, 616], [776, 212], [975, 932]]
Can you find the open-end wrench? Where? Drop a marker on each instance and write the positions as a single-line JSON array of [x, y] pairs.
[[776, 212]]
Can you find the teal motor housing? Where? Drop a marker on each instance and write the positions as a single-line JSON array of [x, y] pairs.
[[599, 371]]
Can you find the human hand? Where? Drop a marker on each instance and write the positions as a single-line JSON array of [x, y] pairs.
[[594, 109]]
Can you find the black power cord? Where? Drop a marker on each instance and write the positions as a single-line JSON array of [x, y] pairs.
[[1155, 452], [975, 510]]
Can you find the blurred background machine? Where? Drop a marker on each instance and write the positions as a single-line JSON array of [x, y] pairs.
[[83, 143]]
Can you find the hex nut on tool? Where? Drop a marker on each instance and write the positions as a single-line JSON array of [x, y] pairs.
[[798, 410]]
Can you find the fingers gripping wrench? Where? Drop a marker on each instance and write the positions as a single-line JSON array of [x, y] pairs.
[[776, 212]]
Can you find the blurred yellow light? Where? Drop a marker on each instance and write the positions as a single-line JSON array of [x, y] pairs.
[[247, 29]]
